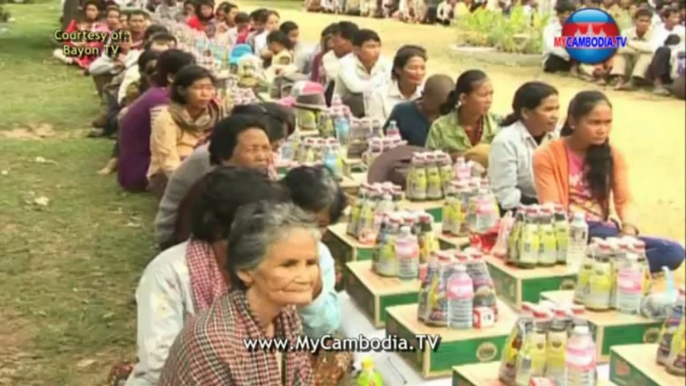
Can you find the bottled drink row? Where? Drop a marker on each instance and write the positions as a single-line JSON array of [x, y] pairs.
[[457, 291]]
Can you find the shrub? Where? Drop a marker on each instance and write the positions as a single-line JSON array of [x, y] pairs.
[[515, 33]]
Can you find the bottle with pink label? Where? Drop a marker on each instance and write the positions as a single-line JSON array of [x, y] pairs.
[[407, 254], [460, 291], [580, 358], [629, 285]]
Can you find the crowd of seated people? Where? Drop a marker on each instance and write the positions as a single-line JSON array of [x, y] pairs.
[[239, 247], [654, 56]]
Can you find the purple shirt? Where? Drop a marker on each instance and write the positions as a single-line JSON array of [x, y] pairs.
[[134, 139]]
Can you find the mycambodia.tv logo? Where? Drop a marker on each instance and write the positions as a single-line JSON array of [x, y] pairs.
[[590, 36]]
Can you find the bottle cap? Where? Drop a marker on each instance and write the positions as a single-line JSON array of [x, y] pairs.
[[367, 363]]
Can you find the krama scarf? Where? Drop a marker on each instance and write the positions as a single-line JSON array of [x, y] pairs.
[[201, 125], [207, 281], [211, 349]]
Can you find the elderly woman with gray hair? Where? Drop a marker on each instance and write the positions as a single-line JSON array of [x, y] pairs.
[[274, 266], [315, 190], [188, 279]]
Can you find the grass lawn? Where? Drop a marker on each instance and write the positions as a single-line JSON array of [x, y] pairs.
[[68, 270]]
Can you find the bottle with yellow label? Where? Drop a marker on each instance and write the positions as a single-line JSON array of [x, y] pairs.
[[581, 289], [538, 338], [561, 226], [515, 234], [418, 182], [638, 247], [434, 187], [508, 364], [556, 344], [599, 285], [524, 364], [676, 361], [547, 252], [460, 226], [529, 243], [669, 329], [448, 209], [354, 221]]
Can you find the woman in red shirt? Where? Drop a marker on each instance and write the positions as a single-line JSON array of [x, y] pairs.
[[203, 20]]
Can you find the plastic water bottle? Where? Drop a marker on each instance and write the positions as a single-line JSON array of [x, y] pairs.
[[407, 253], [580, 358], [331, 161], [392, 130], [460, 290], [341, 126], [462, 171], [578, 239], [629, 285]]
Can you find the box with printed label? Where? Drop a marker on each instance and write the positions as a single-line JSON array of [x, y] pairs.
[[635, 365], [611, 328], [486, 374], [516, 286], [374, 293], [457, 347]]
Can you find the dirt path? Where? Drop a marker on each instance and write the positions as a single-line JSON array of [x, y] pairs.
[[649, 130]]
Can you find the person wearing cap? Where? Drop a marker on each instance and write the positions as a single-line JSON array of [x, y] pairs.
[[248, 147], [359, 74], [309, 100]]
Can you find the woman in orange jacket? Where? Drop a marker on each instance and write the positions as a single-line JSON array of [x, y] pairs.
[[582, 171]]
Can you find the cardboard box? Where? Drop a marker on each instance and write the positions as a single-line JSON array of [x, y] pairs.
[[486, 374], [458, 347], [516, 286], [346, 248], [351, 183], [611, 328], [450, 242], [352, 165], [635, 365], [374, 293]]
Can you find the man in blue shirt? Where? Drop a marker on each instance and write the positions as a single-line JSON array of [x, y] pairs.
[[414, 118]]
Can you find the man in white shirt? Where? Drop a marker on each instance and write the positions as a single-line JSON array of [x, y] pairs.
[[556, 59], [362, 72], [342, 36], [668, 43], [630, 63]]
